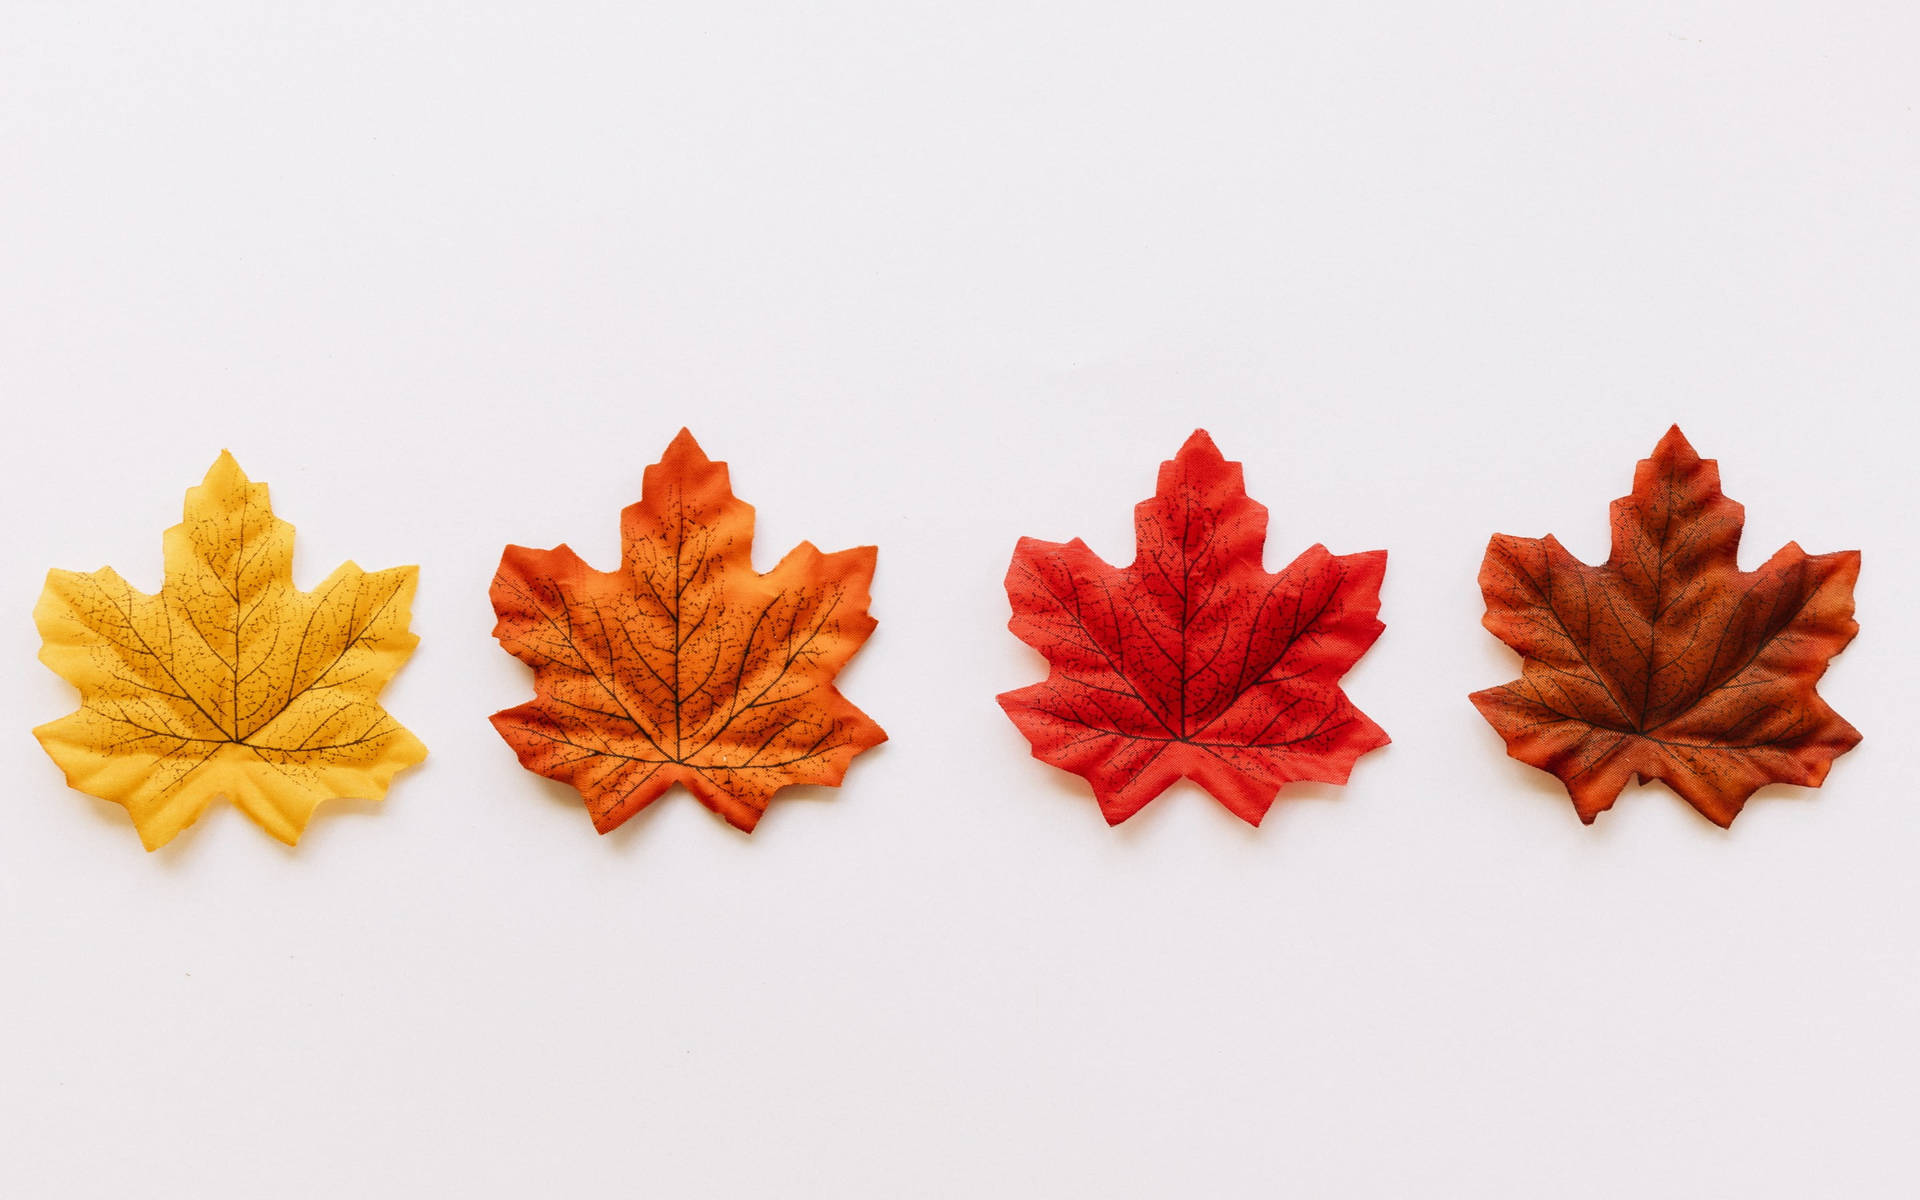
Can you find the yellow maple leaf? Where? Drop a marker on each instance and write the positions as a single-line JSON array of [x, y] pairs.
[[230, 681]]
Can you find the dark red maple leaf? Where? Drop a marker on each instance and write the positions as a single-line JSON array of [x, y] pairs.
[[1194, 661], [1667, 661]]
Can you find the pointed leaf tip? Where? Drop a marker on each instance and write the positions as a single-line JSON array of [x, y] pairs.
[[225, 470], [1674, 445], [684, 452], [1199, 443]]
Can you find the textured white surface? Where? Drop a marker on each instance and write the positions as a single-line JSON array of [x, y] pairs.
[[933, 276]]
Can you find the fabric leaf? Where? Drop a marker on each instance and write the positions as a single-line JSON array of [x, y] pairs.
[[1667, 661], [685, 665], [1194, 661], [230, 680]]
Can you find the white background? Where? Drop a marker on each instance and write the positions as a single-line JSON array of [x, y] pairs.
[[933, 276]]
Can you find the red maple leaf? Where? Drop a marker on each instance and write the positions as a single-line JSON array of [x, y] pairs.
[[1194, 661], [1667, 661]]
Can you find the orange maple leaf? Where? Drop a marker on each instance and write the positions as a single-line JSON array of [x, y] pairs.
[[1667, 661], [685, 665]]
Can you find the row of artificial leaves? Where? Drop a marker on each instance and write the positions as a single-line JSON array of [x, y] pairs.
[[685, 665]]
